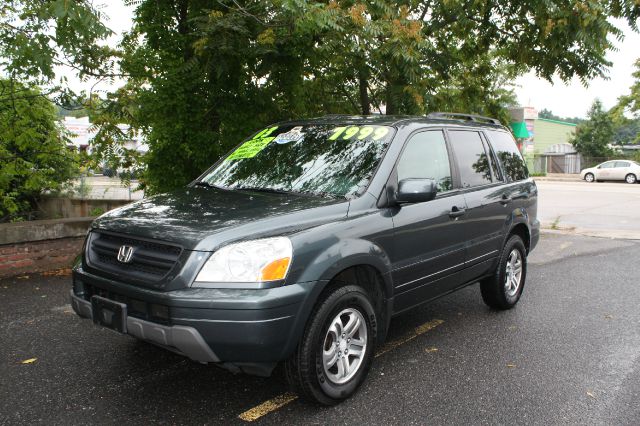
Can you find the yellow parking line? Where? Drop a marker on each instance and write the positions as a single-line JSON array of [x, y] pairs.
[[406, 338], [280, 401], [268, 406]]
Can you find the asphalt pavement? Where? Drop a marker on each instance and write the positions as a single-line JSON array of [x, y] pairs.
[[569, 353]]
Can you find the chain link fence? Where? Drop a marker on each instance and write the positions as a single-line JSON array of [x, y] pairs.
[[542, 164]]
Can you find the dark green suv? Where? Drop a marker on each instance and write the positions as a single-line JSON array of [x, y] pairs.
[[303, 243]]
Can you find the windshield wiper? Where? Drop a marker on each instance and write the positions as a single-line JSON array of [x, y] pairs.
[[208, 185], [270, 190], [282, 191]]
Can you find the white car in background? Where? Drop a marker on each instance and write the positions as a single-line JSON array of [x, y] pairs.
[[626, 170]]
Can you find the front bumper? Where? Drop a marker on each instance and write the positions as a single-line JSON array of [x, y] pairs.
[[248, 330], [184, 340]]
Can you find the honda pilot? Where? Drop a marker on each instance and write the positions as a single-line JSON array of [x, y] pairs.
[[302, 243]]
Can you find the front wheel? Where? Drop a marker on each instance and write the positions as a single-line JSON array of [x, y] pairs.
[[631, 178], [503, 289], [589, 177], [336, 350]]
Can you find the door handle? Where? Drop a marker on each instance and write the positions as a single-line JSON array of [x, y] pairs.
[[505, 200], [456, 212]]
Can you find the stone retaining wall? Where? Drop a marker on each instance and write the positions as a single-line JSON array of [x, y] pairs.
[[40, 245]]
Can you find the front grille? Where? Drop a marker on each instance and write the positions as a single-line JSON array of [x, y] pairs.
[[135, 307], [151, 261]]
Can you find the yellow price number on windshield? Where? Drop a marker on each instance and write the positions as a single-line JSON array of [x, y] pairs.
[[360, 133]]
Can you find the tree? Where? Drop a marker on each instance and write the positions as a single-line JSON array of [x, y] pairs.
[[631, 102], [593, 136], [549, 115], [629, 129], [206, 73], [36, 36], [33, 153]]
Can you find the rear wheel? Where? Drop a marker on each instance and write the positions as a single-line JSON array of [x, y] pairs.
[[589, 177], [336, 350], [503, 289], [631, 178]]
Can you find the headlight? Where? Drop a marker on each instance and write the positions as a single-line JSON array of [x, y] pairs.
[[249, 261]]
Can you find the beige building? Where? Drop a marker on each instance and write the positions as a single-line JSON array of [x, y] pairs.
[[545, 143]]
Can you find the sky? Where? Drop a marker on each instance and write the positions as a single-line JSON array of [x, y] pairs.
[[565, 100]]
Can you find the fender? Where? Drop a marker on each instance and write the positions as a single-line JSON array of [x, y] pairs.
[[344, 254], [518, 216]]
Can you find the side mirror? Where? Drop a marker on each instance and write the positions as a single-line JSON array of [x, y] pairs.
[[416, 190]]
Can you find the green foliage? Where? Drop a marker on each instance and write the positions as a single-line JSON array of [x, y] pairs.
[[96, 211], [629, 129], [632, 100], [549, 115], [206, 73], [33, 153], [38, 35], [627, 132], [593, 136]]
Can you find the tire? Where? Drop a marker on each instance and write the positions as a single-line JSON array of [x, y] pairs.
[[630, 178], [589, 177], [497, 293], [306, 371]]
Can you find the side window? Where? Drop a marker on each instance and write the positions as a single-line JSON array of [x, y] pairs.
[[425, 156], [497, 173], [505, 148], [472, 160], [622, 164], [607, 165]]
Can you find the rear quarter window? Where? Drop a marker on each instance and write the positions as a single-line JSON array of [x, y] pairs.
[[507, 152]]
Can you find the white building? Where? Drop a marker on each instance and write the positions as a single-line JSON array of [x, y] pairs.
[[82, 134]]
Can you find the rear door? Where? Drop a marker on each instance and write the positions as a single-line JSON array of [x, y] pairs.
[[486, 199], [429, 238], [621, 170]]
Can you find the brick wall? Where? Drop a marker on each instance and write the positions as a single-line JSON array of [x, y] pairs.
[[38, 256], [40, 245]]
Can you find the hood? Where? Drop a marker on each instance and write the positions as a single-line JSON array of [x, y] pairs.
[[202, 218]]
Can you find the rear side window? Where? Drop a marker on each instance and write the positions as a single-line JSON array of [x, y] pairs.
[[622, 164], [425, 156], [472, 160], [497, 173], [505, 148]]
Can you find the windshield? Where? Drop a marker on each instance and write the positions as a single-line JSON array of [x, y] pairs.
[[328, 160]]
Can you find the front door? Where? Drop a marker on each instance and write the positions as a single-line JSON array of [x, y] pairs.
[[429, 242], [605, 171]]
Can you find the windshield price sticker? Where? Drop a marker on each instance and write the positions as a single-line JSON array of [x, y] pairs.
[[293, 135], [360, 133], [253, 146]]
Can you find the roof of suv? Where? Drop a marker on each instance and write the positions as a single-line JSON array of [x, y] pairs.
[[397, 120]]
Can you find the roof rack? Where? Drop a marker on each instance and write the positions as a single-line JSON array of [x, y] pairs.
[[466, 117]]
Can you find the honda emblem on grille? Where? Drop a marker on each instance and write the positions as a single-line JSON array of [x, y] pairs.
[[125, 253]]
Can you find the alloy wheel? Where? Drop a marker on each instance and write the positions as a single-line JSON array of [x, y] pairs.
[[344, 346], [513, 273]]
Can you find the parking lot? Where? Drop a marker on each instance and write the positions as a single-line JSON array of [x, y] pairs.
[[569, 353]]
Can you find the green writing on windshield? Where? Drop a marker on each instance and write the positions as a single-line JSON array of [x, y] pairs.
[[253, 146]]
